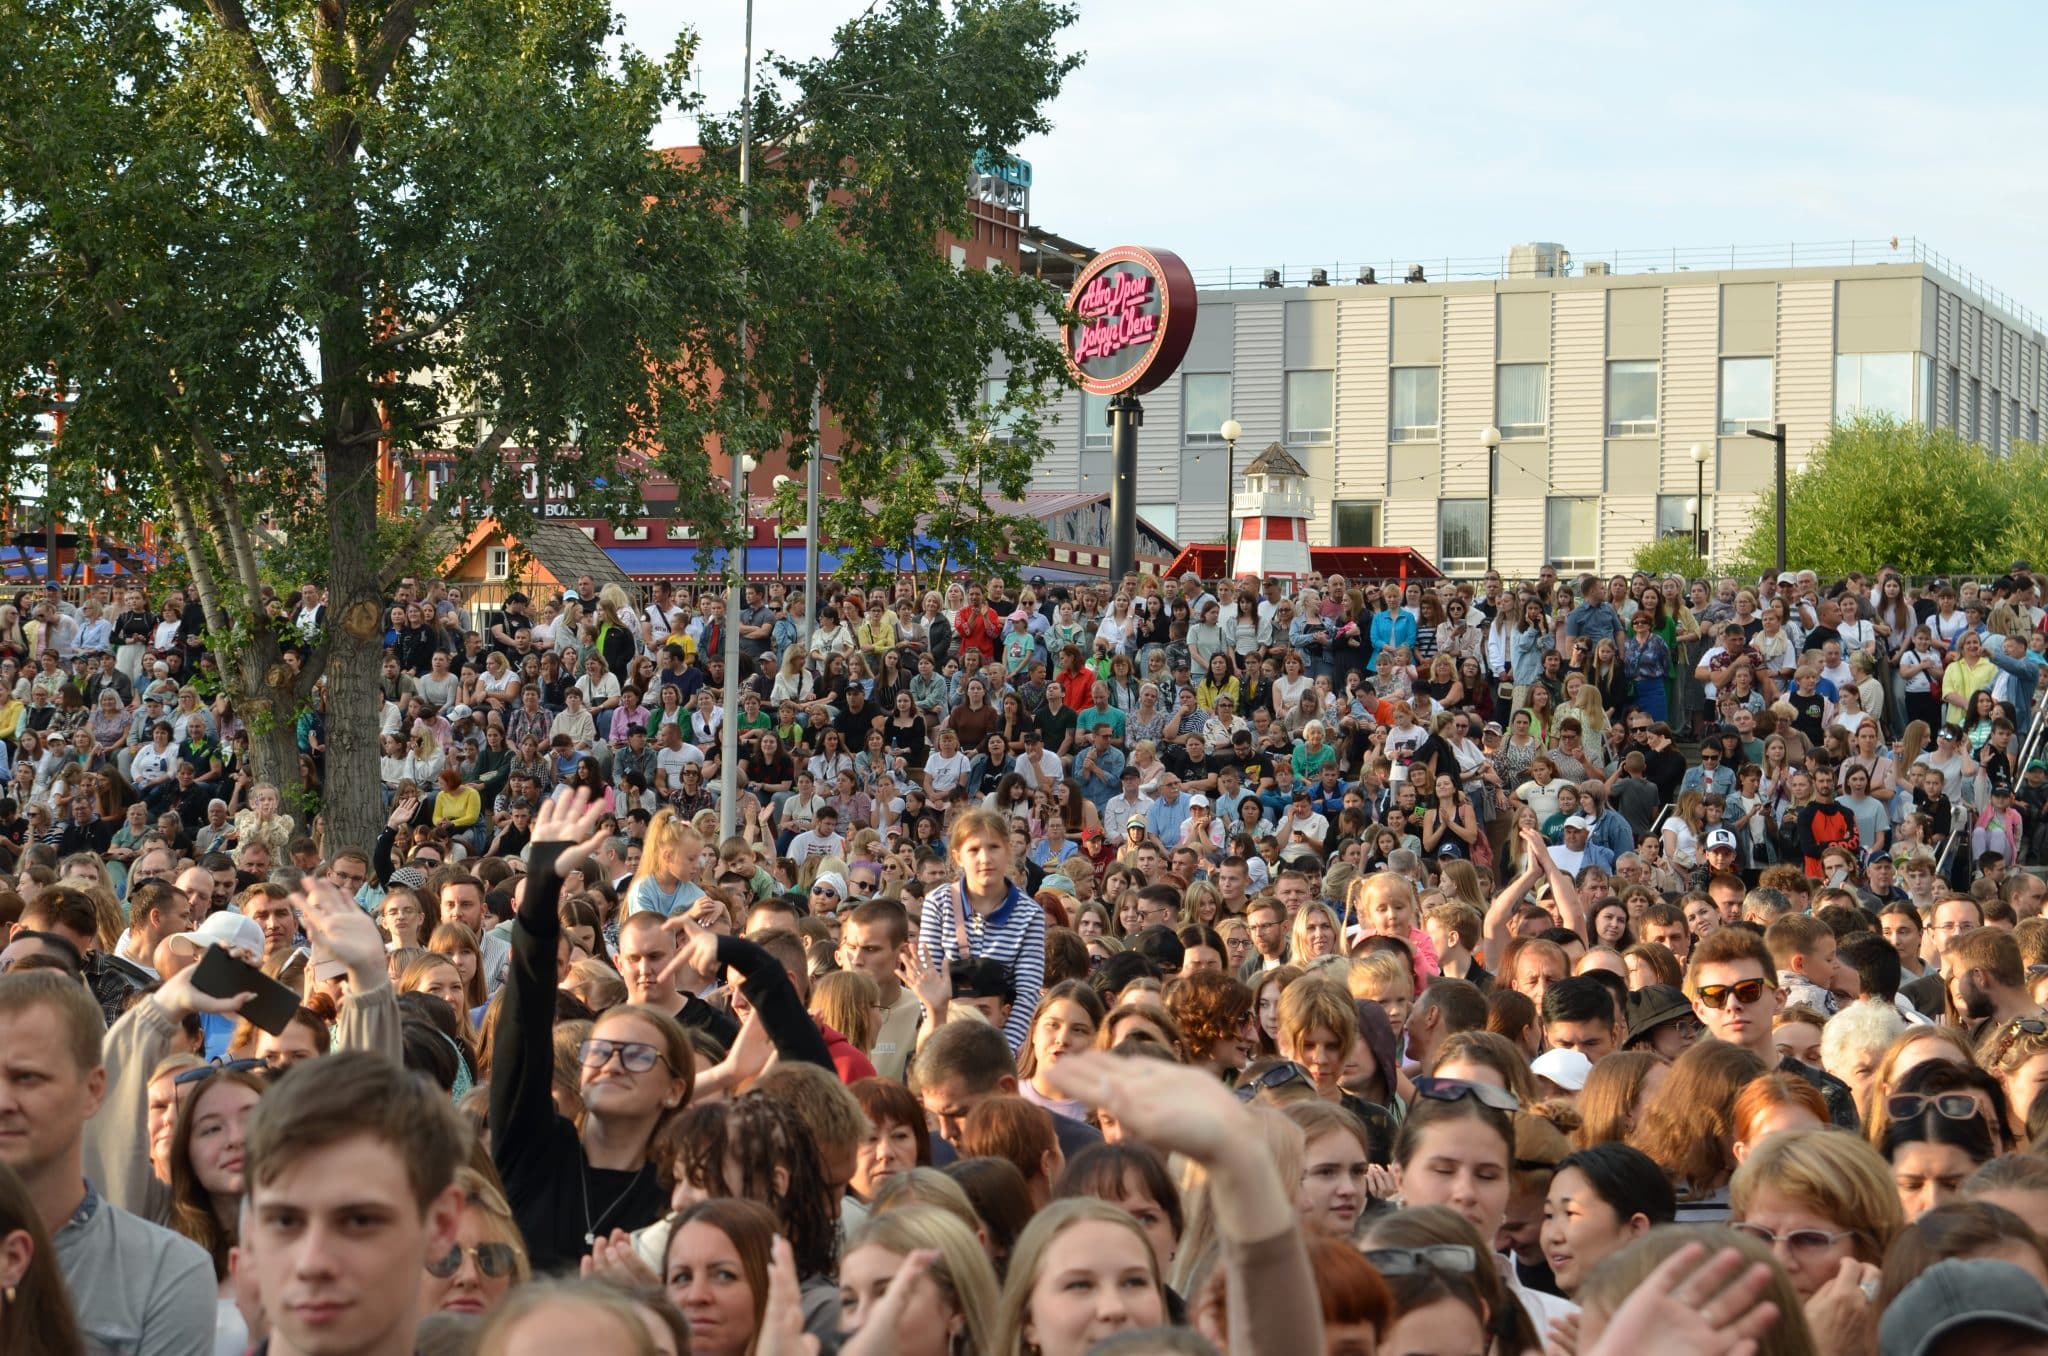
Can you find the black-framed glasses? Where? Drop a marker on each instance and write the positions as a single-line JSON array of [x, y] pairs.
[[635, 1057], [1279, 1076], [1746, 991], [1802, 1243], [1953, 1106], [206, 1071], [1452, 1257], [494, 1260], [1453, 1089]]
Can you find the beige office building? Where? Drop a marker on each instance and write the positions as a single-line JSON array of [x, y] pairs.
[[1602, 377]]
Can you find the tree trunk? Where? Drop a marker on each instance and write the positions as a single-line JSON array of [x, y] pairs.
[[353, 794]]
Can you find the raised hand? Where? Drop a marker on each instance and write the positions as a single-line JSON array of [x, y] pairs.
[[613, 1257], [573, 819], [1173, 1108], [933, 984], [782, 1321], [339, 924], [877, 1335], [1691, 1305]]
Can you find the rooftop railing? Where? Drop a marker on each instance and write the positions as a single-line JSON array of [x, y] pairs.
[[1580, 263]]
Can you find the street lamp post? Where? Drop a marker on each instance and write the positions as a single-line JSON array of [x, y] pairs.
[[1231, 431], [1699, 500], [779, 482], [1489, 438], [1777, 435]]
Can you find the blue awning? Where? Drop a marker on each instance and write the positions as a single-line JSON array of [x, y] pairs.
[[643, 562]]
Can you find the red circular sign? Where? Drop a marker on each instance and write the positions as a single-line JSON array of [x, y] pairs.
[[1136, 313]]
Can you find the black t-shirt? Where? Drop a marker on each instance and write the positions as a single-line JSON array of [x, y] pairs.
[[1057, 725], [1821, 635]]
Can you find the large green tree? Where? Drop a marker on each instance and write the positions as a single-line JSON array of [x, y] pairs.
[[263, 243], [1876, 490]]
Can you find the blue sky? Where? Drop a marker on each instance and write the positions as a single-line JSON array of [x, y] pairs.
[[1309, 131]]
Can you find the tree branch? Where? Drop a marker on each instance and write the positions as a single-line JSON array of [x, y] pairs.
[[401, 21], [261, 85]]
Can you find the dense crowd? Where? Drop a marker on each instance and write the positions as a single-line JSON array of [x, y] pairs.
[[1570, 966]]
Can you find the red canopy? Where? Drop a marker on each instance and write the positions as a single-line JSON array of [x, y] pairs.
[[1353, 562]]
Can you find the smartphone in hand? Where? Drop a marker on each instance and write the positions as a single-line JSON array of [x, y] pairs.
[[221, 974]]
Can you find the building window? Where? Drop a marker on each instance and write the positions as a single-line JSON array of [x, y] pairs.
[[1571, 533], [1745, 395], [1311, 396], [1995, 424], [497, 562], [1461, 535], [1631, 399], [1674, 518], [1002, 423], [637, 532], [1165, 517], [1204, 405], [1973, 401], [1094, 422], [1522, 400], [1875, 384], [1414, 405], [681, 532], [1955, 399], [1356, 523]]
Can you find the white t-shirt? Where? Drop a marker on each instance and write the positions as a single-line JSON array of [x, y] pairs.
[[669, 763], [810, 844], [946, 774]]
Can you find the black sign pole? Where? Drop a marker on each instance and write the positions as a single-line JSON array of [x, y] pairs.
[[1126, 417]]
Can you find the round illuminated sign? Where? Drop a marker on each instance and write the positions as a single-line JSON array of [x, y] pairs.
[[1135, 313]]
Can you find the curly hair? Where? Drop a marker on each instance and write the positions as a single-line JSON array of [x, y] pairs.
[[1209, 1007]]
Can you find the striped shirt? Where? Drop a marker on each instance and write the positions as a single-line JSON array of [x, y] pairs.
[[1014, 934]]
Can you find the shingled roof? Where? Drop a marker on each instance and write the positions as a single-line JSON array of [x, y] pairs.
[[1276, 460]]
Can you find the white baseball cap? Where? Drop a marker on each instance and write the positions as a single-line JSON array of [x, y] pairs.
[[229, 930]]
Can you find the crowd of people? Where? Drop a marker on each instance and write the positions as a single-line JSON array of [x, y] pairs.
[[1567, 966]]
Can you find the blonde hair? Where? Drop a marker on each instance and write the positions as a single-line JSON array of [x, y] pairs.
[[1832, 1173], [962, 1272], [483, 1196], [846, 1000], [1284, 1140], [1380, 971], [1033, 1247]]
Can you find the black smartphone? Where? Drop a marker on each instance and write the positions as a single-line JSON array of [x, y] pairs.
[[223, 975]]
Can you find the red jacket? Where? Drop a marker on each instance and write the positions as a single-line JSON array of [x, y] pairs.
[[851, 1063], [979, 631]]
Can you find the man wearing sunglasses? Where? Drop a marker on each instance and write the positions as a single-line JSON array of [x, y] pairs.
[[1734, 990]]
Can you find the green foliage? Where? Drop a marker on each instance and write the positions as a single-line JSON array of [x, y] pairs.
[[1877, 490], [1670, 554], [263, 242]]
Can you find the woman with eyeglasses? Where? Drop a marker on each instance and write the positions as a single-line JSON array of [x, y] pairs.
[[1940, 1128], [1823, 1202], [637, 1068], [488, 1257], [1416, 1241]]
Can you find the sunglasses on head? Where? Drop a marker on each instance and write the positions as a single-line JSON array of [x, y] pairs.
[[1954, 1106], [206, 1071], [1279, 1076], [2020, 1026], [1453, 1089], [1452, 1257], [492, 1259], [1746, 991]]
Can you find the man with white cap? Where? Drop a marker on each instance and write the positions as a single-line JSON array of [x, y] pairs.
[[1579, 851]]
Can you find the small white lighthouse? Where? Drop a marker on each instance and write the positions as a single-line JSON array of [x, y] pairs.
[[1272, 516]]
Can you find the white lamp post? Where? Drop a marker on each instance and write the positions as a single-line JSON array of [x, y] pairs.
[[1231, 431], [1699, 500]]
